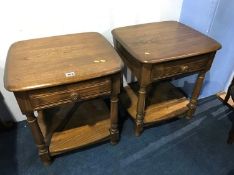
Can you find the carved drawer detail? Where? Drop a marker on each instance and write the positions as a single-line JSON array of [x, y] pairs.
[[69, 93], [172, 68]]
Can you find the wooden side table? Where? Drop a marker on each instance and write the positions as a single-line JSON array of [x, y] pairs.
[[61, 70], [158, 51]]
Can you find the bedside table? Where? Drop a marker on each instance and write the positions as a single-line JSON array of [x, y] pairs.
[[158, 51], [58, 71]]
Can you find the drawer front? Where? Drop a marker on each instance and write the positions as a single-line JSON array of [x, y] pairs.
[[49, 97], [172, 68]]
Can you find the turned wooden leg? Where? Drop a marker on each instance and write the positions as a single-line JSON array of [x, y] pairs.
[[140, 111], [114, 131], [196, 91], [38, 138]]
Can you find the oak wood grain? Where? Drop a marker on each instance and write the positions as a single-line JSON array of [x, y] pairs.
[[163, 41], [44, 62]]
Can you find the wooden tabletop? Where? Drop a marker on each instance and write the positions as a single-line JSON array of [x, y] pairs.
[[163, 41], [51, 61]]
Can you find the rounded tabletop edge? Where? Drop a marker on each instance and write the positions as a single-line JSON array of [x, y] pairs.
[[54, 36], [216, 46], [13, 88]]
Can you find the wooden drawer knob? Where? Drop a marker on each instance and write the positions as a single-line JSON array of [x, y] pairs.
[[74, 96], [184, 68]]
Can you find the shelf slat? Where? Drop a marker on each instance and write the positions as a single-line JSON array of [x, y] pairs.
[[163, 101]]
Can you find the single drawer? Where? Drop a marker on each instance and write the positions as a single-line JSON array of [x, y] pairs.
[[172, 68], [49, 97]]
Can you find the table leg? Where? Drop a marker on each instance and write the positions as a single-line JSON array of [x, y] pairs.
[[114, 130], [140, 111], [38, 138], [196, 91]]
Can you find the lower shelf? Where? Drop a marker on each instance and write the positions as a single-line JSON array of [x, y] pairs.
[[89, 123], [163, 101], [78, 137]]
